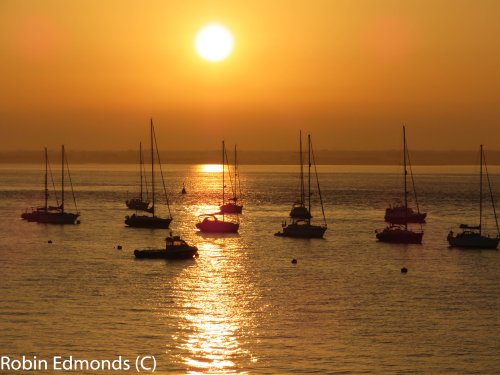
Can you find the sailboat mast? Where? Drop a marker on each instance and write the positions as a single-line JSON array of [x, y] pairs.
[[481, 190], [301, 171], [235, 175], [309, 172], [62, 178], [152, 170], [46, 180], [140, 164], [223, 190], [405, 187]]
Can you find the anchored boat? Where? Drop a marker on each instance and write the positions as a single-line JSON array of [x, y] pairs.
[[53, 214], [301, 226], [210, 223], [400, 216], [154, 221], [139, 203], [175, 248], [472, 236]]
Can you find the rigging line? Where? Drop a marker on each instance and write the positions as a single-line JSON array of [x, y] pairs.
[[237, 172], [53, 184], [161, 173], [317, 182], [229, 173], [71, 184], [412, 179], [144, 176], [301, 176], [491, 194]]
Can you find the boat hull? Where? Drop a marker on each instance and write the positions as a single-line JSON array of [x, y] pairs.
[[30, 216], [400, 217], [473, 241], [231, 208], [137, 204], [302, 231], [400, 236], [142, 221], [175, 252], [46, 217], [209, 226]]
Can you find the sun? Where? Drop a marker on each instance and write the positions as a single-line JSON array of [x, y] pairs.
[[214, 42]]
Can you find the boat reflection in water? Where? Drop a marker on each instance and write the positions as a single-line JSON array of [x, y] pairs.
[[213, 312]]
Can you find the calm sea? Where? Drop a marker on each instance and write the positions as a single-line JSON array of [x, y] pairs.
[[242, 306]]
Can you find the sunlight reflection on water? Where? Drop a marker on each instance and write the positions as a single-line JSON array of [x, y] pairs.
[[208, 330]]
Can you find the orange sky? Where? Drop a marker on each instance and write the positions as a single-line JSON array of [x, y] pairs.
[[91, 73]]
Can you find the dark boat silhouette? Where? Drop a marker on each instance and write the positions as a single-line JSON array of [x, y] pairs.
[[232, 207], [209, 223], [154, 221], [397, 231], [472, 236], [53, 214], [175, 248], [301, 225], [139, 203]]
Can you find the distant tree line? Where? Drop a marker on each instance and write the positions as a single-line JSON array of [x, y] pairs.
[[332, 157]]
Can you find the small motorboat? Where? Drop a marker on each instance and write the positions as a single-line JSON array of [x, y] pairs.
[[176, 248]]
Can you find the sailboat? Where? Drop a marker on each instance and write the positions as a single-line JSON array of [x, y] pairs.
[[472, 236], [397, 231], [36, 212], [401, 213], [53, 214], [232, 207], [210, 223], [301, 226], [139, 203], [154, 221]]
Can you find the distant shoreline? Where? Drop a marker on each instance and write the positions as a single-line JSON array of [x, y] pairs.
[[322, 157]]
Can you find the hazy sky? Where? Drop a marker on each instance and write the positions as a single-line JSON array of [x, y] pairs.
[[91, 73]]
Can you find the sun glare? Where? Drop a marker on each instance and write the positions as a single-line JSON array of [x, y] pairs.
[[214, 42], [210, 168]]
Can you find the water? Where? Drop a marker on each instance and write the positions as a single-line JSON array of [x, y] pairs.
[[242, 306]]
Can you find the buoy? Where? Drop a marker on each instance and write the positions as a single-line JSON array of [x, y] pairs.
[[294, 261], [49, 241], [404, 270], [119, 247]]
